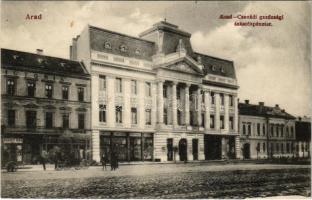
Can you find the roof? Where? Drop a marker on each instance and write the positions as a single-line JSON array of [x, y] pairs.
[[263, 111], [135, 47], [41, 63], [303, 131]]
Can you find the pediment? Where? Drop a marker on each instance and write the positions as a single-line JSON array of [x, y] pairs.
[[31, 105], [183, 67]]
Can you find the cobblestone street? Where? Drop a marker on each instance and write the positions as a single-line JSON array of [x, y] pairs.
[[199, 180]]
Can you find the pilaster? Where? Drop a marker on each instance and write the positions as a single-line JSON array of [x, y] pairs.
[[94, 100], [141, 103], [217, 115], [199, 102], [160, 102], [126, 102], [207, 110], [236, 115], [95, 145], [226, 112], [110, 101], [187, 105], [174, 104]]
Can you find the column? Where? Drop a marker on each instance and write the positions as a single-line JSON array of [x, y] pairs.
[[187, 105], [226, 112], [174, 104], [237, 147], [110, 101], [94, 103], [236, 115], [141, 104], [126, 114], [217, 115], [154, 104], [199, 101], [160, 102], [96, 145], [207, 110]]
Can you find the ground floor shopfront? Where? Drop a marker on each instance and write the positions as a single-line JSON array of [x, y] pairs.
[[27, 148]]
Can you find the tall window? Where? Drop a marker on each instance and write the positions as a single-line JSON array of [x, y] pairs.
[[148, 90], [80, 94], [178, 92], [222, 99], [272, 130], [134, 87], [282, 147], [134, 116], [263, 129], [166, 116], [221, 121], [179, 117], [65, 118], [287, 148], [231, 122], [11, 117], [119, 114], [165, 91], [48, 90], [31, 88], [49, 119], [249, 129], [31, 120], [102, 113], [202, 119], [102, 83], [65, 89], [258, 129], [282, 131], [118, 85], [81, 121], [277, 130], [212, 96], [11, 87], [291, 131], [244, 129], [263, 147], [277, 147], [148, 117], [231, 100], [212, 121], [287, 131]]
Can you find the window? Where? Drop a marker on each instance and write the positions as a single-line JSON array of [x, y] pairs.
[[258, 129], [65, 118], [48, 90], [31, 87], [222, 122], [31, 120], [148, 91], [272, 130], [102, 83], [287, 131], [212, 96], [119, 114], [134, 87], [291, 131], [11, 87], [191, 118], [277, 130], [277, 147], [102, 113], [80, 94], [203, 119], [165, 91], [282, 131], [81, 121], [258, 147], [244, 129], [222, 99], [165, 116], [49, 120], [263, 147], [178, 93], [263, 129], [118, 85], [212, 121], [282, 147], [134, 116], [179, 117], [249, 129], [231, 100], [231, 122], [11, 117], [287, 148], [148, 117], [202, 96], [65, 90]]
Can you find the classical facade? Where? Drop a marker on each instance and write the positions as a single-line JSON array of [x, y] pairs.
[[154, 98], [266, 131], [45, 102], [303, 137]]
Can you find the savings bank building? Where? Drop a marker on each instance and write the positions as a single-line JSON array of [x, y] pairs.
[[153, 98]]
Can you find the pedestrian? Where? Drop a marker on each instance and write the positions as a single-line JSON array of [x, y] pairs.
[[57, 156], [104, 161], [113, 160], [44, 157]]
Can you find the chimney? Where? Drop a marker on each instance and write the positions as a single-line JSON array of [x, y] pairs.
[[261, 103], [276, 106], [39, 51], [283, 110], [299, 118], [247, 101]]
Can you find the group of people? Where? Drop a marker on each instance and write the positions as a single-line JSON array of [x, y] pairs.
[[113, 161]]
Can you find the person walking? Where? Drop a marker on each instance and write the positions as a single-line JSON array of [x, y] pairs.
[[104, 161], [44, 157], [113, 161]]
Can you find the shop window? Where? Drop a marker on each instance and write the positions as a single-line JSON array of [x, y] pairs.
[[65, 119], [119, 114], [11, 118], [148, 148], [148, 91], [31, 88], [31, 119], [212, 121], [11, 87], [49, 119], [148, 117], [102, 113], [102, 82], [65, 90], [134, 116], [81, 121], [134, 87], [80, 93], [48, 90], [118, 85]]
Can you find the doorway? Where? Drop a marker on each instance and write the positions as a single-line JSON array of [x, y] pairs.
[[212, 147], [183, 149], [195, 149], [170, 149], [246, 151]]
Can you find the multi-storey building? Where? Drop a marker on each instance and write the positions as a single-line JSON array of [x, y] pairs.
[[265, 131], [45, 102], [153, 95], [303, 137]]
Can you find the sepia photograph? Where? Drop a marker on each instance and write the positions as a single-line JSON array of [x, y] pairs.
[[156, 99]]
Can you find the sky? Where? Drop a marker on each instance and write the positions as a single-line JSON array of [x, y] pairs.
[[273, 64]]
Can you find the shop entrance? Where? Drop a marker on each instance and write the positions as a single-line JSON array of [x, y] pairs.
[[212, 147], [246, 151], [183, 149], [195, 149], [170, 149]]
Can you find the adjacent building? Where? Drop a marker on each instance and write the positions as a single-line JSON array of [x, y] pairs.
[[265, 131], [303, 137], [154, 98], [45, 102]]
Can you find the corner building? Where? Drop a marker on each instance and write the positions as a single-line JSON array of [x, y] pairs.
[[154, 98]]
